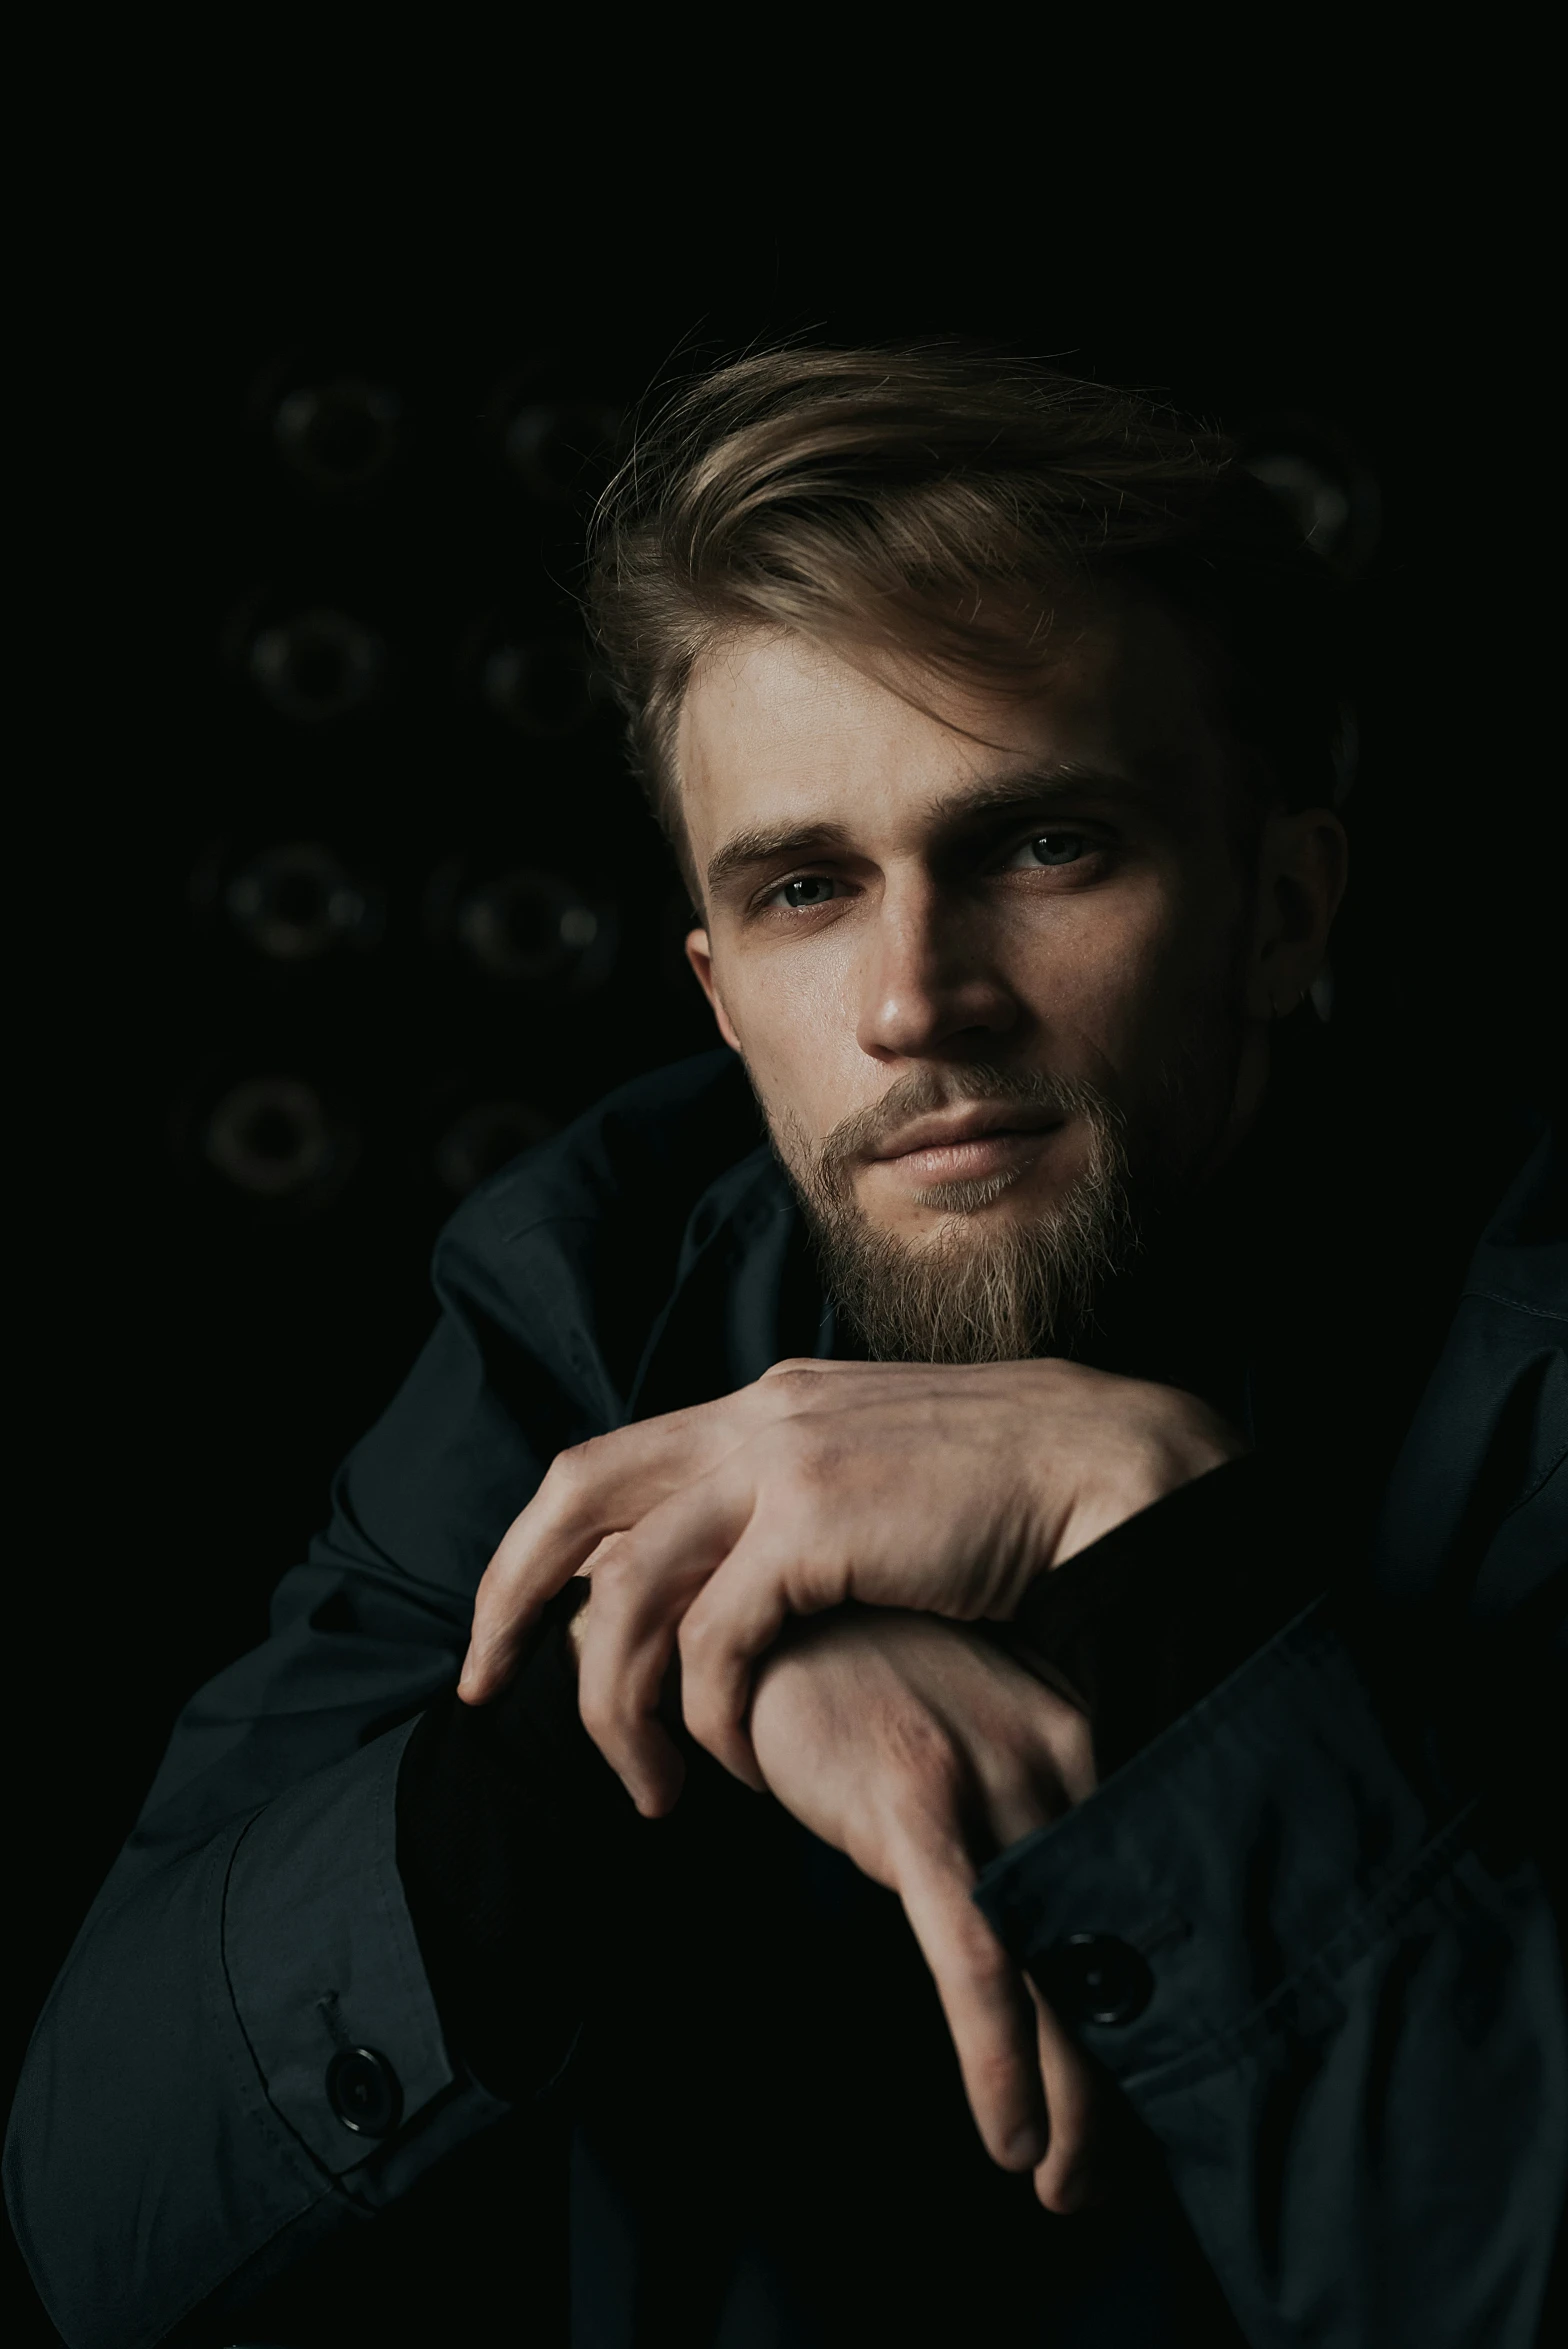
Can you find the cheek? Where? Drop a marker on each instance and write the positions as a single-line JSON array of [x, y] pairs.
[[1117, 981], [794, 1016], [1098, 964]]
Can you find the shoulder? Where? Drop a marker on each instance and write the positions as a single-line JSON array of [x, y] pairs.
[[652, 1145], [575, 1247]]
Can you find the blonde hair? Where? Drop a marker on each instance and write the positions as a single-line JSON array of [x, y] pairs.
[[942, 502]]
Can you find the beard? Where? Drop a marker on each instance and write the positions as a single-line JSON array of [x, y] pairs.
[[977, 1288]]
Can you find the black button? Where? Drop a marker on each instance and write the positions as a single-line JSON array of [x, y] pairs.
[[364, 2092], [1094, 1978]]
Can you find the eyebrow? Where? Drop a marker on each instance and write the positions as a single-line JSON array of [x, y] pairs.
[[767, 843], [956, 811]]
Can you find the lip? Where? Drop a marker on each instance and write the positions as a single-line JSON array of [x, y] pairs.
[[976, 1122]]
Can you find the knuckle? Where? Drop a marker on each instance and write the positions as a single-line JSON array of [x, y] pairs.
[[805, 1449], [603, 1715], [801, 1399], [613, 1569], [922, 1755], [572, 1469], [701, 1641], [991, 1974]]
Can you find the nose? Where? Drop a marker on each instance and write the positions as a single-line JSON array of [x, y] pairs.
[[927, 986]]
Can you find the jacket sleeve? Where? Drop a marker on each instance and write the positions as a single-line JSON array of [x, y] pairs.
[[242, 2054], [1313, 1927]]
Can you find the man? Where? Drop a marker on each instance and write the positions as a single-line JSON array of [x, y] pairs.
[[1028, 1589]]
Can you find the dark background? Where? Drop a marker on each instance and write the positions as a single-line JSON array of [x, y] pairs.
[[221, 882]]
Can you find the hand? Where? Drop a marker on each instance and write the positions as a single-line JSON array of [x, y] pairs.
[[918, 1750], [896, 1484]]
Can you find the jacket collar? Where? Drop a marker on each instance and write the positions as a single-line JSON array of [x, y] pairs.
[[746, 1294]]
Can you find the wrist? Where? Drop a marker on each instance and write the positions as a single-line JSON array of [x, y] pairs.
[[1143, 1624], [1144, 1443]]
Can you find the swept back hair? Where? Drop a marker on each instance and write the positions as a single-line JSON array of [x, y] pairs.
[[945, 503]]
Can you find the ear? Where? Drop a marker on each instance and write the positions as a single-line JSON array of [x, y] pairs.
[[700, 955], [1302, 862]]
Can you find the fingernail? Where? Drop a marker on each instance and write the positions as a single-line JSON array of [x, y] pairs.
[[1025, 2150]]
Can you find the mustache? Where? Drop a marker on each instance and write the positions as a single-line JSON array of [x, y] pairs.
[[924, 1091]]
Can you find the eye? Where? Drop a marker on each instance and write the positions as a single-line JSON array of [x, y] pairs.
[[806, 889], [1051, 848]]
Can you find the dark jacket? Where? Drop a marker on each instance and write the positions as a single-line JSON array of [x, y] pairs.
[[1307, 1926]]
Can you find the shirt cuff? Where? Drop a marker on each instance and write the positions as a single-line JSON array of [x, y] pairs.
[[1331, 1994], [1132, 1915], [1146, 1621], [513, 1836], [325, 1973]]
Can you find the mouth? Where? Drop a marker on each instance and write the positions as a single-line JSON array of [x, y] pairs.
[[968, 1143]]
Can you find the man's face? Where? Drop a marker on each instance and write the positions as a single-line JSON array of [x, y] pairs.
[[965, 948]]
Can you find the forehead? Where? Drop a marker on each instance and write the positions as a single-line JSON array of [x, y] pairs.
[[777, 730]]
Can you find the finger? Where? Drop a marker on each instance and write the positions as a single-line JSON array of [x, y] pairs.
[[666, 1772], [641, 1591], [987, 2008], [1069, 2177], [783, 1562], [734, 1619], [590, 1490]]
